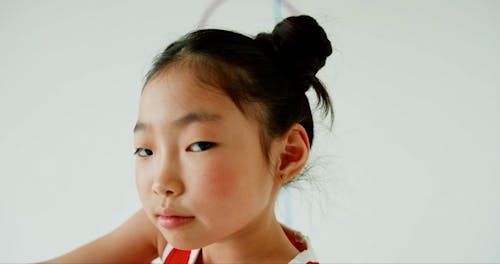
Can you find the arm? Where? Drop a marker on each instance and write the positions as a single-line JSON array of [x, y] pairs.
[[135, 241]]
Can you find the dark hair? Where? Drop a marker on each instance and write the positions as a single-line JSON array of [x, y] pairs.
[[271, 71]]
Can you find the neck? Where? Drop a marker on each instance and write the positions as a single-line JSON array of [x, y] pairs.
[[263, 240]]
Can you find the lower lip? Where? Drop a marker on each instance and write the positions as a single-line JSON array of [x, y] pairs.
[[174, 221]]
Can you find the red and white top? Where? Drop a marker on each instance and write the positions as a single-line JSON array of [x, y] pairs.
[[306, 256]]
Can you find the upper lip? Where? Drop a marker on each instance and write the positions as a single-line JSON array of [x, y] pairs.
[[168, 212]]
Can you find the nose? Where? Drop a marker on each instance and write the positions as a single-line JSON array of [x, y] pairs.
[[170, 188], [166, 179]]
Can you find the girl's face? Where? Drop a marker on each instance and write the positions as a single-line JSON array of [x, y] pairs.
[[200, 171]]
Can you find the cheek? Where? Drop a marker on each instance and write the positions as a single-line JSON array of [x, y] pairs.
[[225, 181], [143, 184], [216, 177]]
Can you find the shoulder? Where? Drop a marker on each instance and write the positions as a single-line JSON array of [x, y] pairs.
[[161, 244], [135, 240]]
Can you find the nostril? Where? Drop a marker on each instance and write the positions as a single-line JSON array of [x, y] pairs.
[[158, 188], [167, 188]]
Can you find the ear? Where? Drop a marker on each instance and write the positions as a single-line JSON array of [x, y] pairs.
[[293, 153]]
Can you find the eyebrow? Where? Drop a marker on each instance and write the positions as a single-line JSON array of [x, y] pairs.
[[183, 121]]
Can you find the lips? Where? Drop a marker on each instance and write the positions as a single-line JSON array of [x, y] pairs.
[[174, 221], [170, 219]]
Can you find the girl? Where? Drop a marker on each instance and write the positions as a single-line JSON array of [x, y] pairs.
[[223, 124]]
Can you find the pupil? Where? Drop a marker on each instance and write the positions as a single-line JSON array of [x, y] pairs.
[[205, 145]]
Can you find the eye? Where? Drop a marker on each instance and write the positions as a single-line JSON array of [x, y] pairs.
[[200, 146], [142, 152]]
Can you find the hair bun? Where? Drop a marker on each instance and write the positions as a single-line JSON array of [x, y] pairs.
[[299, 40], [299, 46]]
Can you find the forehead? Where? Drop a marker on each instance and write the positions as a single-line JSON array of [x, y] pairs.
[[176, 92]]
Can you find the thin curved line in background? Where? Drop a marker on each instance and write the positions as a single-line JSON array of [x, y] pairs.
[[209, 11], [291, 9], [277, 11]]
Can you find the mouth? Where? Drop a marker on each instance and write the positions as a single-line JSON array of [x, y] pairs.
[[170, 219], [173, 221]]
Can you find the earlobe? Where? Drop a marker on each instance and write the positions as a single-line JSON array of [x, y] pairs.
[[294, 153]]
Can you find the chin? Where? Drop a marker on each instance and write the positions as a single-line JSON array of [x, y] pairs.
[[179, 240]]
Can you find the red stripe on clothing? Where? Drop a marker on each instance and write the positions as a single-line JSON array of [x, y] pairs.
[[177, 256]]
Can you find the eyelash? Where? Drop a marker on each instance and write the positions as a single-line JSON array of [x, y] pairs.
[[136, 152], [201, 146]]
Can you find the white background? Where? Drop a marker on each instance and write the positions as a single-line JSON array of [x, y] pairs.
[[410, 172]]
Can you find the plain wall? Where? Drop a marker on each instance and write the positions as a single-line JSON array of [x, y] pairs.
[[409, 173]]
